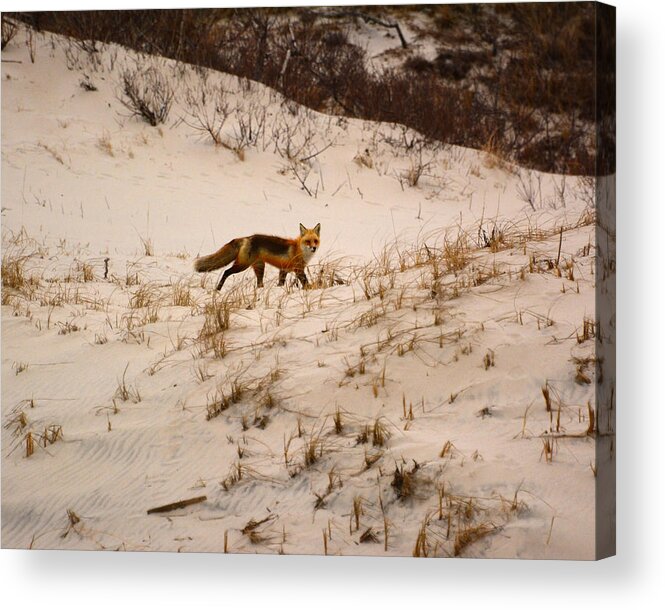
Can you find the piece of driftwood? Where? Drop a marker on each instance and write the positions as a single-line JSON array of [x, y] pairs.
[[175, 505]]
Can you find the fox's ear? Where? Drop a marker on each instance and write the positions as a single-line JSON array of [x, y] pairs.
[[303, 230], [317, 229]]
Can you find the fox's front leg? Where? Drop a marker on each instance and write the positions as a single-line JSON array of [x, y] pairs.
[[300, 274], [282, 277]]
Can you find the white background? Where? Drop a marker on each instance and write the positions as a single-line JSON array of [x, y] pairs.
[[633, 578]]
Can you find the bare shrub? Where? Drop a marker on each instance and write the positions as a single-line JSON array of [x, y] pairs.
[[418, 166], [250, 124], [9, 29], [293, 138], [518, 81], [147, 94], [207, 111]]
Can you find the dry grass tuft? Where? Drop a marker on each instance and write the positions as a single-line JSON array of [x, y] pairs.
[[18, 420], [146, 295], [29, 444], [582, 374], [456, 254], [312, 451], [181, 295], [469, 535], [127, 393], [403, 481], [549, 448], [87, 272], [358, 509], [369, 535], [15, 280], [51, 435], [589, 329], [591, 428], [546, 395], [19, 367], [105, 144], [378, 433], [422, 548], [217, 316], [235, 475], [217, 404], [238, 386], [254, 532], [337, 421], [148, 248]]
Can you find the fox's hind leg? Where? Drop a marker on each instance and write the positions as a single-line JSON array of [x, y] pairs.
[[259, 269], [230, 271], [282, 277]]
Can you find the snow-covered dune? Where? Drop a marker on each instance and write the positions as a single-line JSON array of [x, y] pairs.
[[430, 394]]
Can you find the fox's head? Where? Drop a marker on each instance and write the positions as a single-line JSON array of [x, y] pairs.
[[310, 239]]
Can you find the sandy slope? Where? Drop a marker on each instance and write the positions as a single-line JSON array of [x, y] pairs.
[[429, 337]]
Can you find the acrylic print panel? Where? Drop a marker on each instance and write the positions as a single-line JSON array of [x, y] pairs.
[[420, 361]]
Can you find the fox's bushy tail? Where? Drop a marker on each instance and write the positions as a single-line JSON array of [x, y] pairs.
[[218, 259]]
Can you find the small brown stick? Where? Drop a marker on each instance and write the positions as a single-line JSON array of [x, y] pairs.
[[175, 505], [558, 255]]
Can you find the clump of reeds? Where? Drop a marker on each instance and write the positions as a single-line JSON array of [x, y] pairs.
[[312, 451], [589, 328], [181, 295], [549, 444], [546, 395], [235, 475], [126, 392], [380, 433], [337, 421], [377, 432], [422, 547], [470, 534], [254, 533], [403, 481]]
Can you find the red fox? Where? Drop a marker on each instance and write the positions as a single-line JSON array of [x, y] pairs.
[[257, 250]]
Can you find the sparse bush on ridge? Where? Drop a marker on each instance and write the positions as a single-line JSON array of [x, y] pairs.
[[147, 94], [526, 93], [207, 112]]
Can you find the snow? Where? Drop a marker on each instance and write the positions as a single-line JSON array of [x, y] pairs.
[[449, 361]]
